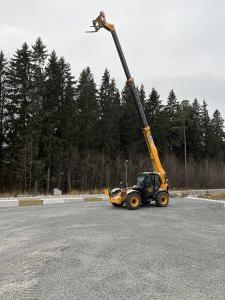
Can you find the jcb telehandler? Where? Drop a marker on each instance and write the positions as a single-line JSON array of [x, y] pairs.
[[150, 186]]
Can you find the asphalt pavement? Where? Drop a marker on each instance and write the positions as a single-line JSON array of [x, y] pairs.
[[95, 251]]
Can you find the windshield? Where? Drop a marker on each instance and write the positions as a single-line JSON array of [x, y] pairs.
[[140, 179]]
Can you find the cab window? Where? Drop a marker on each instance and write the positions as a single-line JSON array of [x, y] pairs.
[[149, 181], [157, 182]]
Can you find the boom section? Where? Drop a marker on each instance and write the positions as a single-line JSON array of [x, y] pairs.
[[98, 23]]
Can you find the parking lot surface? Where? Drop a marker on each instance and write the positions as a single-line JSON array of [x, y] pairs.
[[95, 251]]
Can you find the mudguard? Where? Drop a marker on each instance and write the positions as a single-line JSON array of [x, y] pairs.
[[130, 191]]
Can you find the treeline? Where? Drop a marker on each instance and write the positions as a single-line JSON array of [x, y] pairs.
[[65, 132]]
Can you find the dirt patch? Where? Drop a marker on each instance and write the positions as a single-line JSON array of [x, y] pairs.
[[92, 199], [178, 194], [212, 196]]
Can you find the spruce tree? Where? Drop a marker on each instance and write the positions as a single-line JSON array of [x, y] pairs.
[[88, 110], [205, 128], [218, 125], [130, 125], [156, 119], [68, 127], [142, 95], [58, 123], [206, 141], [172, 105], [87, 121], [153, 107], [19, 114], [50, 122], [3, 74], [170, 111], [182, 125], [196, 141], [217, 135], [109, 100], [38, 60]]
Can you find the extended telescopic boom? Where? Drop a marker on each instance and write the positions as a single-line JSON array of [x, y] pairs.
[[98, 23]]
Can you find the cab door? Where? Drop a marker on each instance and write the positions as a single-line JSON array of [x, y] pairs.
[[157, 182], [149, 186]]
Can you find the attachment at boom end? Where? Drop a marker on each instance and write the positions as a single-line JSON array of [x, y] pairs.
[[100, 22]]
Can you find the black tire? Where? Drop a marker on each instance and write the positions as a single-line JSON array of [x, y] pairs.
[[162, 199], [117, 205], [133, 201]]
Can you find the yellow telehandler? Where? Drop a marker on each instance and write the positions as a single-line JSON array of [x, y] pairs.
[[150, 186]]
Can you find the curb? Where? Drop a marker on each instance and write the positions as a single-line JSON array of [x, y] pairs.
[[67, 199], [32, 201], [205, 199]]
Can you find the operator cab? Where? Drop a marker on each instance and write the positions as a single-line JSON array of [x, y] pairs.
[[148, 184]]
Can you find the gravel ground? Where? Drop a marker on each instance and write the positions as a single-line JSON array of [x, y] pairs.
[[95, 251]]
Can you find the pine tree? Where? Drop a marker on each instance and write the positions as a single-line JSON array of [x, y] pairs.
[[109, 137], [170, 110], [205, 128], [3, 70], [153, 107], [38, 60], [182, 125], [68, 126], [142, 95], [109, 100], [87, 120], [172, 105], [19, 113], [3, 74], [206, 140], [88, 110], [58, 120], [130, 132], [217, 135], [50, 123], [196, 140], [218, 125], [155, 118]]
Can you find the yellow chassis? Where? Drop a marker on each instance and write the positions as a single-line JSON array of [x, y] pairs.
[[118, 198]]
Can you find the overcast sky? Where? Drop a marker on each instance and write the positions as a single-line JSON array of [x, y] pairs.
[[175, 44]]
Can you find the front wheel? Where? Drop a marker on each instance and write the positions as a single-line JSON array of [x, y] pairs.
[[133, 201], [162, 199]]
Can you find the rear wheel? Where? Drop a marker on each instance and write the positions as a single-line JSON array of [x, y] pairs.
[[133, 201], [162, 199]]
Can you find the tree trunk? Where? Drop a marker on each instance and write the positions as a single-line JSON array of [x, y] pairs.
[[185, 157], [86, 171], [25, 165], [30, 164], [69, 187], [48, 180]]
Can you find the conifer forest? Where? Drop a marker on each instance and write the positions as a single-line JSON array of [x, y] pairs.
[[59, 129]]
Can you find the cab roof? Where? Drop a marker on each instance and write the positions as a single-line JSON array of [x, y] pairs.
[[147, 173]]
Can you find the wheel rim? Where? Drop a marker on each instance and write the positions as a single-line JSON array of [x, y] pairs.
[[164, 200], [134, 201]]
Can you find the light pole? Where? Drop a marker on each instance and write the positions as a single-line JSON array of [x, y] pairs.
[[126, 163]]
